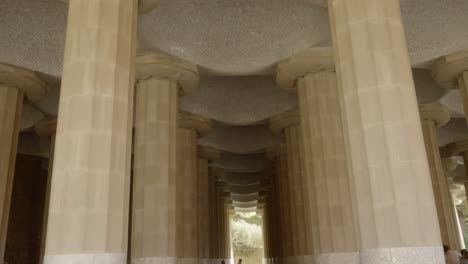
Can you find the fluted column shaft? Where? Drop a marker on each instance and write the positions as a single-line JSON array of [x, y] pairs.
[[11, 103], [288, 125], [433, 116], [46, 129], [93, 142], [285, 206], [203, 211], [154, 186], [295, 177], [395, 205], [187, 208], [332, 223], [189, 128]]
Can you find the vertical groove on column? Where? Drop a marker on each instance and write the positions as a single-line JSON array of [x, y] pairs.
[[187, 234], [11, 103], [443, 198], [90, 184], [333, 228], [154, 199], [395, 203]]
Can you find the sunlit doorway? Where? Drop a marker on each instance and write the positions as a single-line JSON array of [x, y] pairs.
[[247, 237]]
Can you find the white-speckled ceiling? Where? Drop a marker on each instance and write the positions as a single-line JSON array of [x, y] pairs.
[[227, 38]]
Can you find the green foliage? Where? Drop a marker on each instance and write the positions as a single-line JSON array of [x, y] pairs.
[[246, 234]]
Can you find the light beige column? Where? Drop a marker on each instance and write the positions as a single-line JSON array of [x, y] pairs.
[[285, 206], [189, 128], [46, 129], [15, 83], [89, 200], [451, 72], [213, 217], [432, 117], [287, 124], [205, 156], [395, 208], [332, 235], [160, 77]]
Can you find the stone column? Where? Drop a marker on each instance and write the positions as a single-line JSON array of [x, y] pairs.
[[159, 77], [15, 83], [433, 116], [205, 155], [46, 129], [332, 226], [451, 72], [89, 200], [395, 208], [189, 128], [288, 125]]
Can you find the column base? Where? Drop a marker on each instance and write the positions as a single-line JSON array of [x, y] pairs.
[[416, 255], [336, 258], [453, 257], [155, 260], [205, 261], [111, 258]]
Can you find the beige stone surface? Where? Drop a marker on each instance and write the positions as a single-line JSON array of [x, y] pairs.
[[395, 205], [154, 198], [433, 116], [15, 84], [288, 125], [189, 128], [11, 101], [88, 211], [329, 200]]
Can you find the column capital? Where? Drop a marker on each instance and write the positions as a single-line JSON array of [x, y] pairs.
[[447, 69], [449, 164], [188, 120], [284, 120], [311, 60], [164, 66], [453, 149], [437, 113], [33, 86], [208, 153], [46, 127]]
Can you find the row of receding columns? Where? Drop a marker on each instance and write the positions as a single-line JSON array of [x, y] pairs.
[[87, 220], [368, 193], [383, 212]]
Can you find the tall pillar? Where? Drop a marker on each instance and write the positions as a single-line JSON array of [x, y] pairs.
[[160, 77], [433, 116], [288, 125], [214, 223], [395, 208], [189, 128], [46, 129], [205, 155], [15, 83], [89, 199], [311, 74], [451, 72]]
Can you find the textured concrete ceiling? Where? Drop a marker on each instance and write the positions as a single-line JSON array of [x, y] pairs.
[[227, 38]]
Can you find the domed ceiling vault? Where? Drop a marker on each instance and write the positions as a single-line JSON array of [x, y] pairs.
[[236, 45]]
